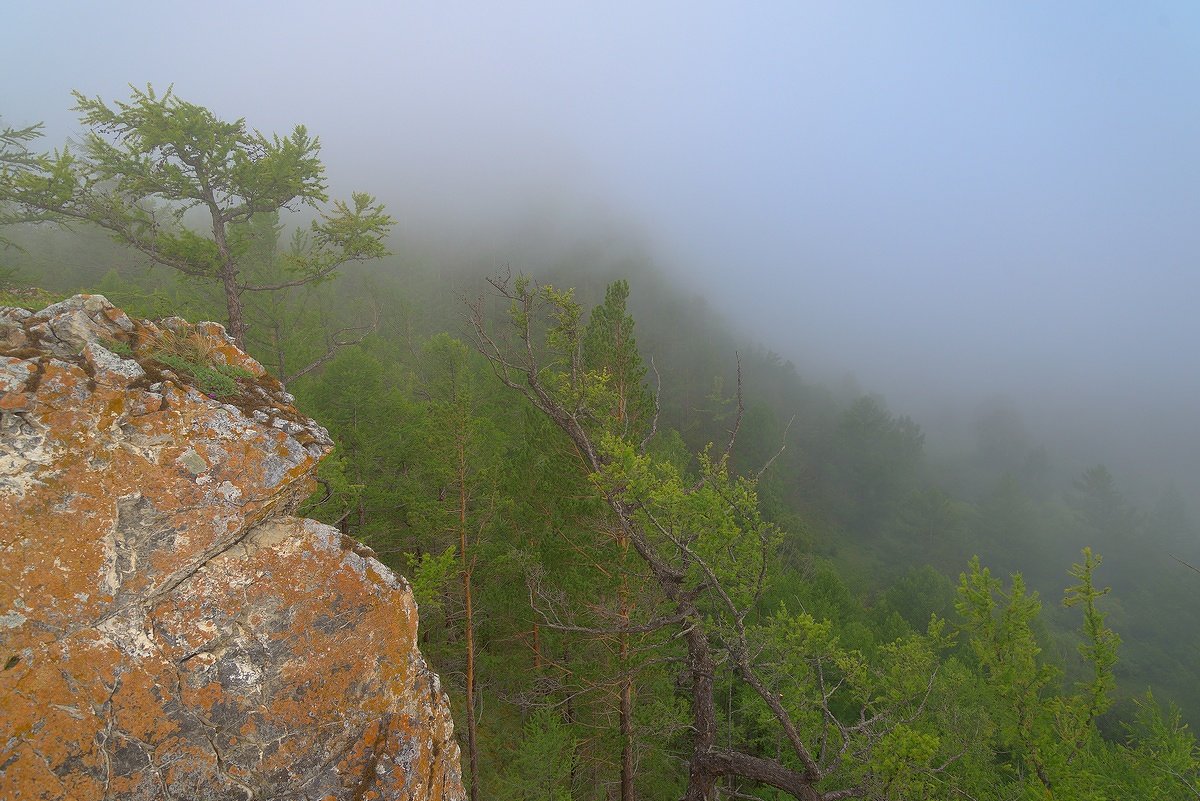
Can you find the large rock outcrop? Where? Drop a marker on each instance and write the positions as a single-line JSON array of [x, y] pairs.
[[167, 630]]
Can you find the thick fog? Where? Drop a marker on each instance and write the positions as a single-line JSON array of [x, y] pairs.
[[950, 202]]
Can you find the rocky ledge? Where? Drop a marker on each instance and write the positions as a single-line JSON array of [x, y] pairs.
[[167, 629]]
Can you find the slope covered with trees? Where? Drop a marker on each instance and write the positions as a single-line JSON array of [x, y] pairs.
[[649, 566]]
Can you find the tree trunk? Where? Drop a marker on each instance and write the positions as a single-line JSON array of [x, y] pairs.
[[228, 274], [472, 749], [701, 780], [626, 727], [627, 793], [277, 345], [234, 307], [569, 709]]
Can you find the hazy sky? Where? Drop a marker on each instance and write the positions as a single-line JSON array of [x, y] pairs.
[[994, 197]]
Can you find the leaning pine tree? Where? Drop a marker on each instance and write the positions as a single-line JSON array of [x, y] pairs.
[[706, 556]]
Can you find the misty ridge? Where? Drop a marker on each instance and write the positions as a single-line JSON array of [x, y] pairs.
[[932, 276]]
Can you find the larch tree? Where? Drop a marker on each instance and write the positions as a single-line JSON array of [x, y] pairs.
[[707, 556], [145, 164]]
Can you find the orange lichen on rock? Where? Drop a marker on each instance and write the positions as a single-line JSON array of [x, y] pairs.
[[167, 630]]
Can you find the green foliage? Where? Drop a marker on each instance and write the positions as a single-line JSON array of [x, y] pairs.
[[430, 574], [122, 349], [14, 147], [163, 146], [901, 761], [1053, 735], [15, 159], [821, 558], [1001, 636], [713, 526], [1100, 645], [192, 355], [360, 398], [217, 380], [31, 299], [1160, 758], [1000, 625], [919, 593], [872, 461], [609, 353], [541, 763], [145, 163]]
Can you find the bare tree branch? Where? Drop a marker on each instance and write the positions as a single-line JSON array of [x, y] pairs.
[[657, 406], [334, 343], [778, 453], [1185, 564], [741, 410]]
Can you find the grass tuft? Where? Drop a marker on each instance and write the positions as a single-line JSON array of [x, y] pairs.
[[196, 355]]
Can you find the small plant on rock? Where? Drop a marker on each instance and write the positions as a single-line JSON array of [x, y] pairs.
[[197, 356]]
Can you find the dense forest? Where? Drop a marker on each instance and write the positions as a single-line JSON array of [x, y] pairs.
[[655, 560]]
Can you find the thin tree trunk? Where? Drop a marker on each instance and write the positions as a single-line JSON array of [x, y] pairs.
[[627, 793], [472, 748], [276, 343], [569, 709], [626, 726]]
